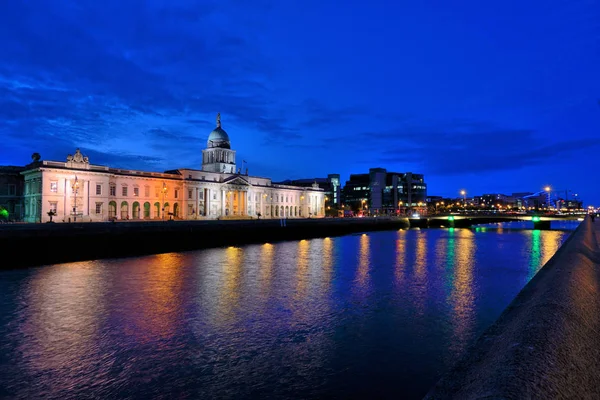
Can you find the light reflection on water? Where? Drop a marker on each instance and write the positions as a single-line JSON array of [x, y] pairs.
[[378, 314]]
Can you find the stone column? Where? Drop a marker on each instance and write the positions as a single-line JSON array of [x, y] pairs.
[[197, 202], [245, 203], [206, 193], [222, 202]]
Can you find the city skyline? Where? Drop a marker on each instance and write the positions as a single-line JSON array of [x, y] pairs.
[[483, 98]]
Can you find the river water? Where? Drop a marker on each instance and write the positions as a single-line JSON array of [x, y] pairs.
[[374, 315]]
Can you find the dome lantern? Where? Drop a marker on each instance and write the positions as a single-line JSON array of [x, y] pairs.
[[218, 137]]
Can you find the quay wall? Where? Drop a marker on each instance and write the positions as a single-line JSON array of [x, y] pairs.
[[546, 344], [41, 244]]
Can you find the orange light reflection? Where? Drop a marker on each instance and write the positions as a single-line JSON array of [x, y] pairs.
[[462, 296], [362, 272]]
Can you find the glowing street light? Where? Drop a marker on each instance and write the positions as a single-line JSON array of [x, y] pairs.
[[164, 192], [75, 190], [547, 189]]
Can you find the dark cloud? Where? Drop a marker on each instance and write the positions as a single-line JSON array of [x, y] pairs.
[[466, 147], [122, 160]]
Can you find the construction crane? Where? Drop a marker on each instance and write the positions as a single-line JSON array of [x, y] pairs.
[[551, 196]]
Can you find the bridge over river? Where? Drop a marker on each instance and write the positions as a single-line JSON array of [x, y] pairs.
[[468, 220]]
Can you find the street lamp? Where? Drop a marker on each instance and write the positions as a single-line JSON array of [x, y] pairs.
[[547, 189], [164, 192], [464, 195], [75, 190]]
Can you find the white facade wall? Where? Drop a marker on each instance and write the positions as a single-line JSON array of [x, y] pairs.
[[139, 195]]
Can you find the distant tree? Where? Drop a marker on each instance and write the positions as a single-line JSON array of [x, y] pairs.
[[35, 157], [3, 213], [51, 214]]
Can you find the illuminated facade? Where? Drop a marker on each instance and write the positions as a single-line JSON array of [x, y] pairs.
[[383, 192], [76, 190]]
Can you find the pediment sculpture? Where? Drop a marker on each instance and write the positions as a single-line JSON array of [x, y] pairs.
[[78, 158]]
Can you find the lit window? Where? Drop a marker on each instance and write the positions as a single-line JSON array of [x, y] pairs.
[[54, 187], [136, 192], [53, 206], [98, 190]]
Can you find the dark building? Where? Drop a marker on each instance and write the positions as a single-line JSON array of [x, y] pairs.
[[383, 192], [492, 200], [331, 186], [356, 194], [11, 193]]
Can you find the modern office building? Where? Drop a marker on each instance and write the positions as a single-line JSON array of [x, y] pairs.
[[383, 192], [76, 190]]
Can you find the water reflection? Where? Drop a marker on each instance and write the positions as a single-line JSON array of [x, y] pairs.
[[543, 246], [283, 320], [536, 254], [327, 262], [400, 267], [229, 295], [153, 307], [302, 275], [267, 260], [60, 319], [420, 272], [364, 254], [462, 298]]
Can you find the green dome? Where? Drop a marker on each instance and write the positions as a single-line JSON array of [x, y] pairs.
[[218, 138]]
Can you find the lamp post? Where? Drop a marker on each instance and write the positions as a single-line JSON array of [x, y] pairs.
[[464, 195], [75, 190], [164, 192], [547, 189]]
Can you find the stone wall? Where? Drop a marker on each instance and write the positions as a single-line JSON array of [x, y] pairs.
[[39, 244]]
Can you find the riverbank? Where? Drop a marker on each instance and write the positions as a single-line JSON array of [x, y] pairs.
[[544, 345], [40, 244]]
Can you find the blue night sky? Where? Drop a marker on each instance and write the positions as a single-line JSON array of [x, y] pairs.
[[483, 96]]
